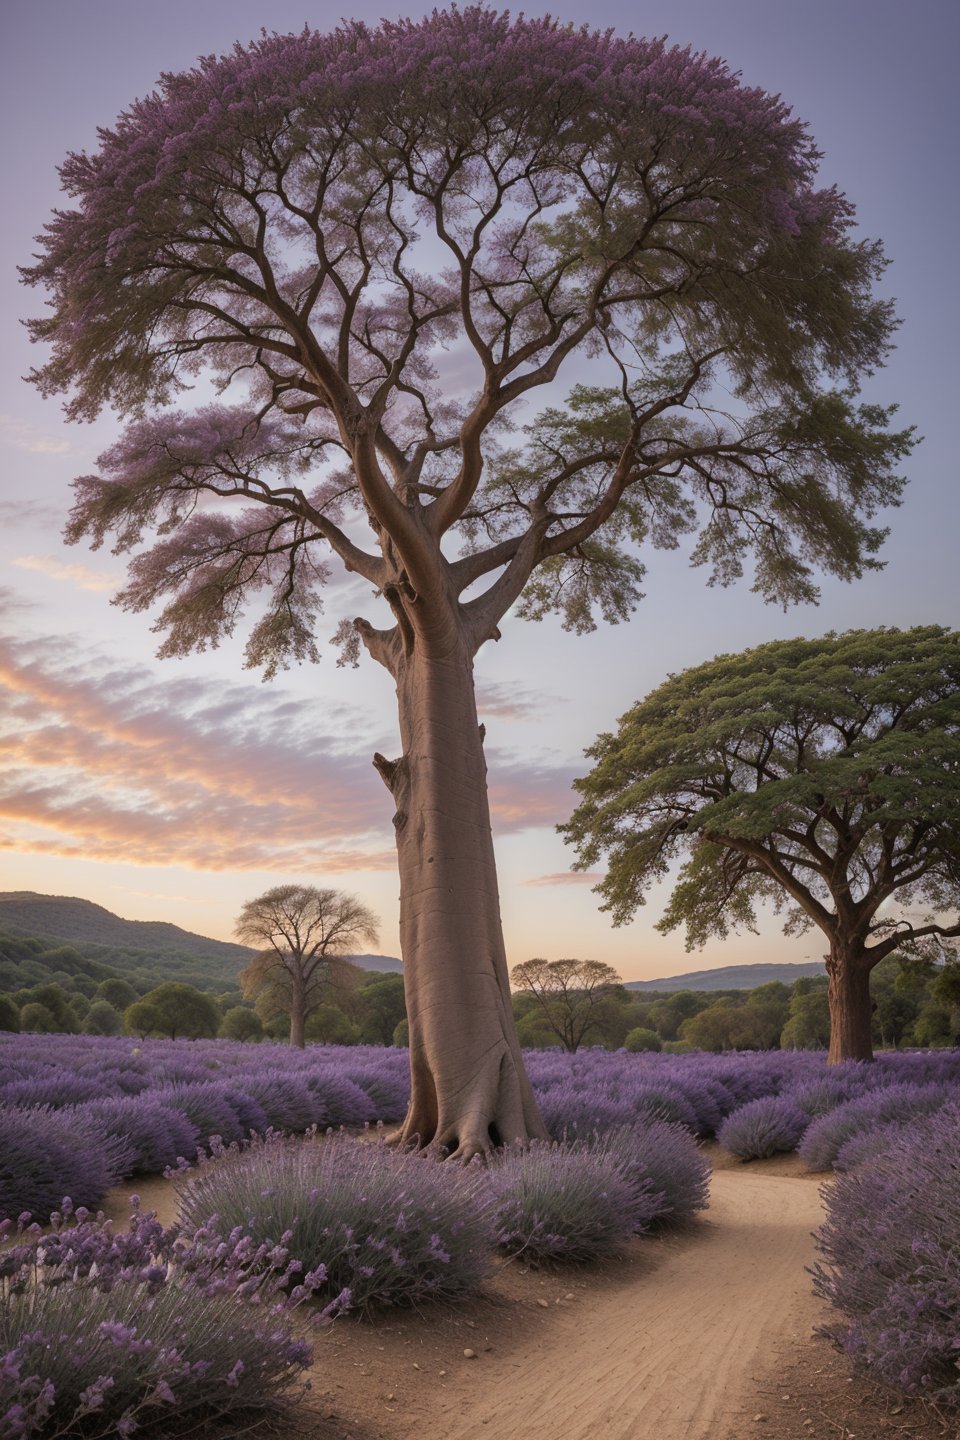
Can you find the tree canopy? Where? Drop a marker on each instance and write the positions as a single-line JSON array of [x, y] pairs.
[[176, 1010], [821, 775], [312, 220]]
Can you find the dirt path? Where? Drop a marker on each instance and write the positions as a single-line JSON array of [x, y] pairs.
[[671, 1345], [668, 1345], [672, 1357]]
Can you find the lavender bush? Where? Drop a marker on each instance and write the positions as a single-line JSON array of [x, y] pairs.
[[826, 1136], [891, 1261], [222, 1087], [665, 1159], [156, 1136], [764, 1127], [45, 1155], [105, 1335], [379, 1226], [565, 1203]]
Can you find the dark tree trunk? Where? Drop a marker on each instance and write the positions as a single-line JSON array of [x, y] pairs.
[[298, 1017], [848, 993], [469, 1087]]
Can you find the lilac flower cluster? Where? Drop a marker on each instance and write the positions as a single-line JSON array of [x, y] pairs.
[[566, 1203], [764, 1127], [369, 1224], [105, 1334], [890, 1105], [891, 1262]]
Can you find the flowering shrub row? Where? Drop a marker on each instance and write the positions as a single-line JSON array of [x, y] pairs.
[[384, 1226], [891, 1262], [162, 1100]]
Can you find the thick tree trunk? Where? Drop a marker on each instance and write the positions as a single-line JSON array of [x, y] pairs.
[[469, 1087], [848, 993], [298, 1019]]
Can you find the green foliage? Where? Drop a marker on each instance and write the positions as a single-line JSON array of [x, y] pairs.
[[99, 944], [808, 1022], [80, 1006], [27, 960], [37, 1019], [820, 775], [669, 1013], [571, 995], [142, 1019], [642, 1039], [378, 1008], [173, 1010], [726, 1026], [763, 766], [241, 1023], [102, 1019], [56, 1003], [328, 1025], [401, 1036], [534, 1033], [118, 993], [9, 1013]]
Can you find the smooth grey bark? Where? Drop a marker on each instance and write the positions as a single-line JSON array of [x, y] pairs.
[[469, 1087]]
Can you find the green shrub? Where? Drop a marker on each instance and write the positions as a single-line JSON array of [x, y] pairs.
[[641, 1038]]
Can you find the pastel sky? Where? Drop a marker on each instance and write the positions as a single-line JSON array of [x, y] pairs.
[[177, 789]]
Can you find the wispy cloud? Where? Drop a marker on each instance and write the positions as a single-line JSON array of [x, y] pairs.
[[24, 512], [567, 877], [525, 795], [82, 576], [24, 436], [108, 763], [512, 702]]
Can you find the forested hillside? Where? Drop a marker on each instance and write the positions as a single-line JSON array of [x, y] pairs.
[[47, 938]]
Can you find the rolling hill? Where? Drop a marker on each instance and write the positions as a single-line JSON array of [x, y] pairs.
[[42, 936], [731, 977]]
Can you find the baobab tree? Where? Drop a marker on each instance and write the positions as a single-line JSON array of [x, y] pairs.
[[823, 775], [313, 222], [301, 934]]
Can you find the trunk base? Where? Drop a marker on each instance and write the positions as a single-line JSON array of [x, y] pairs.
[[489, 1107]]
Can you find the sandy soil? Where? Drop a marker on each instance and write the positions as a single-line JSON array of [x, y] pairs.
[[705, 1334]]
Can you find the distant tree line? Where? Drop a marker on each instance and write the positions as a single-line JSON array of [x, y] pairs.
[[366, 1008], [914, 1004]]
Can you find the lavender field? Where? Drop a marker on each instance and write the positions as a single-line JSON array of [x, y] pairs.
[[281, 1204], [143, 1108]]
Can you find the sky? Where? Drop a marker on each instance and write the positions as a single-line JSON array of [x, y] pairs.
[[178, 789]]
